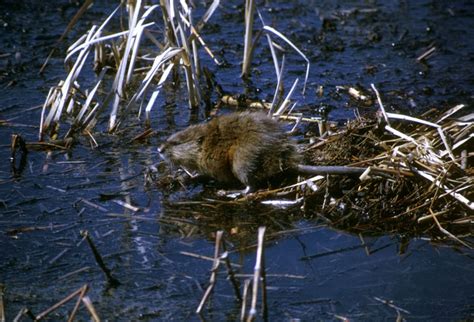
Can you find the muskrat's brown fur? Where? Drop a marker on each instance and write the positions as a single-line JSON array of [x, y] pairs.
[[248, 147]]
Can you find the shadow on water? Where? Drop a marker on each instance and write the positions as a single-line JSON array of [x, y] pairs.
[[313, 271]]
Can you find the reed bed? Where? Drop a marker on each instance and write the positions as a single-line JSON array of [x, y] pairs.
[[133, 65], [123, 56]]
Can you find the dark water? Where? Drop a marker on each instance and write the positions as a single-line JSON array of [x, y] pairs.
[[379, 44]]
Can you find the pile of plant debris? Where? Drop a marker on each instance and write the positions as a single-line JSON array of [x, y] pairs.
[[419, 175]]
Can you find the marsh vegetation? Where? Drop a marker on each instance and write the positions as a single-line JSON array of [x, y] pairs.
[[91, 215]]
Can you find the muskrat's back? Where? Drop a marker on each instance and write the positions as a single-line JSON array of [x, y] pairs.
[[248, 147]]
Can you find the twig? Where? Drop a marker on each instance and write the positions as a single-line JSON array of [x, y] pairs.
[[285, 39], [64, 251], [93, 205], [143, 135], [390, 304], [83, 292], [126, 205], [298, 277], [426, 54], [60, 303], [450, 112], [342, 318], [110, 279], [327, 195], [204, 257], [80, 270], [50, 145], [286, 102], [332, 252], [423, 218], [18, 230], [358, 95]]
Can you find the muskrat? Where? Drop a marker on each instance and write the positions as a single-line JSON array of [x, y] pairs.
[[247, 147]]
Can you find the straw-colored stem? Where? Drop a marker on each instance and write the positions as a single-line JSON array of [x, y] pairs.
[[244, 299], [83, 292], [90, 307], [215, 267], [259, 266], [231, 274], [248, 44], [60, 303]]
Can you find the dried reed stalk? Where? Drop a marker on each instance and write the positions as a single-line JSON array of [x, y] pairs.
[[259, 279], [215, 267]]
